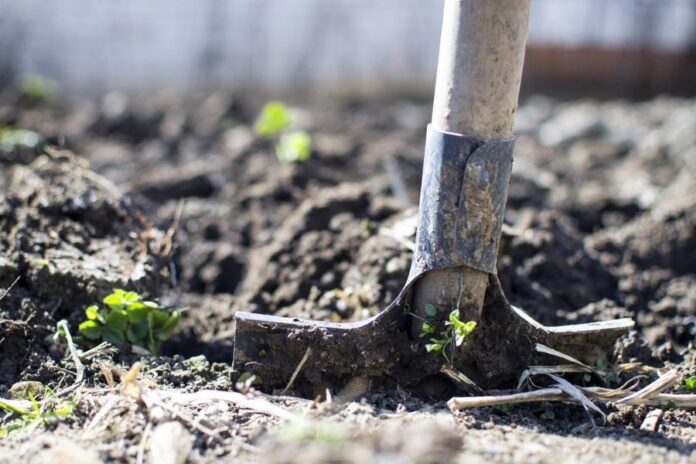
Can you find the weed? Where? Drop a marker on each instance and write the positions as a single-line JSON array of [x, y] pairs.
[[37, 414], [37, 88], [454, 334], [127, 317], [12, 138], [690, 383], [294, 147], [273, 122], [41, 263], [274, 118]]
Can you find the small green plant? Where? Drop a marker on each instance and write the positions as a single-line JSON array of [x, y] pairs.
[[37, 414], [127, 318], [12, 138], [294, 147], [37, 88], [274, 118], [690, 383], [454, 334], [273, 122]]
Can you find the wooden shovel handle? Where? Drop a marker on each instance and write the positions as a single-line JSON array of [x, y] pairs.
[[480, 66]]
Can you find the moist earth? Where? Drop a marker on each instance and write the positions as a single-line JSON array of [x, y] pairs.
[[176, 198]]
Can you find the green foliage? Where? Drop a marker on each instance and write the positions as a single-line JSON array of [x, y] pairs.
[[41, 263], [690, 383], [461, 330], [294, 147], [37, 88], [274, 118], [36, 414], [273, 122], [430, 310], [428, 328], [12, 138], [455, 332], [127, 318]]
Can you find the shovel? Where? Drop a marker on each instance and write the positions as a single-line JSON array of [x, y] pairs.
[[466, 173]]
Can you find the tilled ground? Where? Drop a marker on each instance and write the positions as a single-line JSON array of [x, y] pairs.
[[601, 223]]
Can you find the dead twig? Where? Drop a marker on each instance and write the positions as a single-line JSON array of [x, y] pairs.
[[541, 348], [578, 394], [9, 289], [297, 370], [652, 419], [143, 441], [651, 396], [255, 404], [79, 367], [668, 380], [101, 414]]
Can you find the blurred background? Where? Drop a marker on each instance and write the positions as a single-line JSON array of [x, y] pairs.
[[602, 48]]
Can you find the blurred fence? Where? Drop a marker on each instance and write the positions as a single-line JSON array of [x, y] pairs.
[[333, 45]]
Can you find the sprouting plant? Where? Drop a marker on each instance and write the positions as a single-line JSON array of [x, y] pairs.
[[273, 122], [36, 414], [690, 383], [12, 138], [274, 118], [293, 147], [41, 263], [127, 317], [37, 87], [454, 334]]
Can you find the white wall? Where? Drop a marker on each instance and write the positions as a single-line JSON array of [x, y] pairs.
[[92, 45]]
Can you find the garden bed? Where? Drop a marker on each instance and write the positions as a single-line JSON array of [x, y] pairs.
[[176, 198]]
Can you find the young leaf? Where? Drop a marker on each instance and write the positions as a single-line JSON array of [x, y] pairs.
[[433, 347], [158, 318], [690, 383], [92, 312], [294, 147], [430, 310], [428, 328], [166, 330], [137, 311], [91, 330], [117, 320], [115, 301], [137, 333], [274, 118], [113, 336]]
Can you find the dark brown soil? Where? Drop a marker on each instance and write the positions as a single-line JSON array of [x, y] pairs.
[[601, 223]]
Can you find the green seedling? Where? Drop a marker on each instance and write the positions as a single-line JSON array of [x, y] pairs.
[[454, 334], [41, 263], [690, 383], [37, 414], [37, 88], [127, 318], [273, 122], [12, 138], [294, 147], [275, 117]]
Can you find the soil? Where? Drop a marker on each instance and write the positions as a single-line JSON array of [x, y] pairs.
[[176, 198]]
